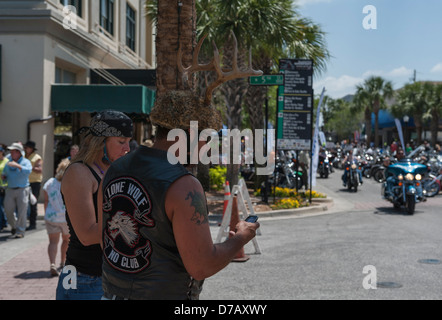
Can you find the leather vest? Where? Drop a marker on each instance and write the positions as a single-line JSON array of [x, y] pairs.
[[140, 255]]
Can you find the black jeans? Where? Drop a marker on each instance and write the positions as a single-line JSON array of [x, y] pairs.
[[35, 188]]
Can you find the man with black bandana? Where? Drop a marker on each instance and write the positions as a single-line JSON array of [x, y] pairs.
[[156, 237]]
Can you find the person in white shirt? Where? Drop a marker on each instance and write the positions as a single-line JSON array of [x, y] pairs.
[[55, 218]]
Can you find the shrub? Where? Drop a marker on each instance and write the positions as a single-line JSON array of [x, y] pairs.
[[217, 176], [286, 203], [290, 193]]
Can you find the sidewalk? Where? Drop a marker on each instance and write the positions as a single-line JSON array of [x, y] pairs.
[[24, 265]]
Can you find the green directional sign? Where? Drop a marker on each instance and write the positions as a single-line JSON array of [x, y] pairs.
[[267, 80]]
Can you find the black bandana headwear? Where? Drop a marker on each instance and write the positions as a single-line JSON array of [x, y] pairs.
[[109, 123]]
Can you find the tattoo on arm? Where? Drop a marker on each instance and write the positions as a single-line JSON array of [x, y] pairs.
[[198, 201]]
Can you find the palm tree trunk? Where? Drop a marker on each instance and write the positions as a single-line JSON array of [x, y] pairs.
[[367, 117], [176, 26], [376, 128], [418, 124], [233, 92], [434, 127], [376, 122], [254, 104]]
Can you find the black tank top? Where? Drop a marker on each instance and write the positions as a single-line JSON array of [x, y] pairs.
[[86, 259]]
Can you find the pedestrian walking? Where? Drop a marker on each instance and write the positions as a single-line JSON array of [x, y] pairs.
[[55, 219], [106, 139], [35, 179], [3, 185], [73, 151], [17, 172]]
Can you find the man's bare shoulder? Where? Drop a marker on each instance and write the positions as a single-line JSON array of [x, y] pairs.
[[187, 195]]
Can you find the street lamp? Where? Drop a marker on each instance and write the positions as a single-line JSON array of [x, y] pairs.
[[406, 119]]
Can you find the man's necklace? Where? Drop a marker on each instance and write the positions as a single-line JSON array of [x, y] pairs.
[[99, 168]]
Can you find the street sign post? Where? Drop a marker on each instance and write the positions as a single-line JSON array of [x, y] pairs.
[[295, 105], [267, 80]]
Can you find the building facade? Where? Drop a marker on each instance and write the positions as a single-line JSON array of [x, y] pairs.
[[48, 42]]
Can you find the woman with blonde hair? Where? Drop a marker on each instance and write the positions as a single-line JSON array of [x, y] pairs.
[[55, 219], [107, 139]]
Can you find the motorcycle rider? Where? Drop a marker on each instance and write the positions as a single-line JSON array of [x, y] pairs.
[[350, 158], [390, 179], [304, 161]]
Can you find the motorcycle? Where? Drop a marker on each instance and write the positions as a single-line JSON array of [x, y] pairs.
[[352, 170], [378, 170], [285, 174], [432, 184], [367, 164], [403, 185], [323, 166], [337, 159]]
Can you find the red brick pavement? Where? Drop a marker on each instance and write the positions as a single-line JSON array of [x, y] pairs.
[[27, 276]]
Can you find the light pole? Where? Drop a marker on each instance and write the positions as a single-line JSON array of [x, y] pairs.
[[406, 119]]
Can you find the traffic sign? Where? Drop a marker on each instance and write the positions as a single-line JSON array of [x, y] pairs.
[[267, 80], [295, 105]]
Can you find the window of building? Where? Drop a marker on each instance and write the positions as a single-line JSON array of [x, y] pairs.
[[107, 15], [75, 3], [64, 76], [131, 22]]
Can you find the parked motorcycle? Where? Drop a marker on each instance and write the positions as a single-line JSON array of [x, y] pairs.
[[432, 184], [286, 175], [403, 185], [247, 171], [377, 170], [367, 163]]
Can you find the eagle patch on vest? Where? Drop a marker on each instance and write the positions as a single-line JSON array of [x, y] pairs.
[[128, 206]]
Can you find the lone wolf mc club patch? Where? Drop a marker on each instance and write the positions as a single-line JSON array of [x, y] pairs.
[[128, 205]]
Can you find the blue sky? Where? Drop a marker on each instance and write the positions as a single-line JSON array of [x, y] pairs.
[[408, 37]]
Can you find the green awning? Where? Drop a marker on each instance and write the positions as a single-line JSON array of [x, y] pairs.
[[93, 98]]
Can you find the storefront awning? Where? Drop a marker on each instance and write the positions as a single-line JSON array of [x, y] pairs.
[[386, 120], [94, 98]]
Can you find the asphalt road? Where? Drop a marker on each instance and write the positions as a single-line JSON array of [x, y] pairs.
[[361, 248]]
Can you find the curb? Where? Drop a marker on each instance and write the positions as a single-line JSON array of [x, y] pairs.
[[317, 206]]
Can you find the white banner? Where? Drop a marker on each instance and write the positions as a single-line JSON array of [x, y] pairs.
[[315, 148], [399, 130], [322, 138]]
